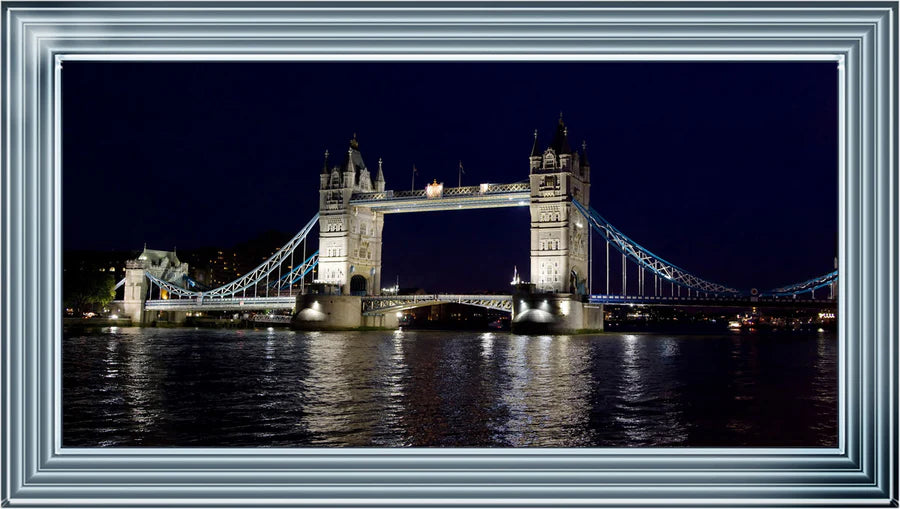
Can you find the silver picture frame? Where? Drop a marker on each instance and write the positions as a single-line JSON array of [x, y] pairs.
[[39, 37]]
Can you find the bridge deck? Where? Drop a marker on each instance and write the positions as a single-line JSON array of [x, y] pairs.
[[387, 303], [649, 300], [216, 304], [377, 305], [453, 198]]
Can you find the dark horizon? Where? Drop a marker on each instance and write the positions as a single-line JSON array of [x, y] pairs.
[[728, 170]]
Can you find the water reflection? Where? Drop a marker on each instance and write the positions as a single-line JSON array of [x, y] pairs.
[[410, 388]]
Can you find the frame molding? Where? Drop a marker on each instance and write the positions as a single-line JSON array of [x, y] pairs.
[[38, 37]]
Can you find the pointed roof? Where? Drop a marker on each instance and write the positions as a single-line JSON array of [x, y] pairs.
[[560, 143], [380, 176], [535, 149], [354, 161], [325, 166]]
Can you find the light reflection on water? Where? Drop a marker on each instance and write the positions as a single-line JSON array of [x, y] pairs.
[[180, 387]]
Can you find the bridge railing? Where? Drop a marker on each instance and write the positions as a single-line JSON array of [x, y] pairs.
[[479, 190], [740, 299], [222, 304], [272, 319], [380, 303]]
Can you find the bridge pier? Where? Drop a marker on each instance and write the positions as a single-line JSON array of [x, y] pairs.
[[136, 285], [554, 313], [324, 312], [172, 317], [387, 320]]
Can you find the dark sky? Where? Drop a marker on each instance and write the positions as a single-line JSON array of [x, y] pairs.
[[726, 169]]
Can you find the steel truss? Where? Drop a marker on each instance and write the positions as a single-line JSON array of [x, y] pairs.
[[385, 304], [647, 260], [249, 280], [517, 187], [810, 285], [297, 273]]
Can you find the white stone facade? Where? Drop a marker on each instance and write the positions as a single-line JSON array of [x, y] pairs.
[[349, 236], [559, 233]]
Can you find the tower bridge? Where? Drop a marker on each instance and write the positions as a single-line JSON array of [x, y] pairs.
[[348, 260]]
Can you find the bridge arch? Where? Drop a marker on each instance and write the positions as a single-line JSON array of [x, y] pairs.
[[359, 285], [377, 305]]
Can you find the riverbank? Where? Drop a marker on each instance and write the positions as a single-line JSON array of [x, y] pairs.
[[202, 323]]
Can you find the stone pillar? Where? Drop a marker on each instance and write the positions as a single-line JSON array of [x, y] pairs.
[[324, 312], [136, 285], [387, 320], [164, 265], [553, 313]]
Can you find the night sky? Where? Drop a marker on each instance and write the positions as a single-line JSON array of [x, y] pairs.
[[728, 170]]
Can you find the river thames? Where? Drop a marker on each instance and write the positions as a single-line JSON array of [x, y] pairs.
[[279, 388]]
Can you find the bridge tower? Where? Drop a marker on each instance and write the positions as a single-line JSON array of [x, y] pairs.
[[164, 265], [349, 236], [559, 234]]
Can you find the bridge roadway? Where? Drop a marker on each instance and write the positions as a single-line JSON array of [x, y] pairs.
[[223, 304], [452, 198], [377, 305], [650, 300], [372, 305]]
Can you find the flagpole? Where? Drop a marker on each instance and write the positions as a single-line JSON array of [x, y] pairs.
[[413, 188]]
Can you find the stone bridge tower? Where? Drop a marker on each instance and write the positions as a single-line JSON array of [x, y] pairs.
[[164, 265], [559, 233], [349, 236]]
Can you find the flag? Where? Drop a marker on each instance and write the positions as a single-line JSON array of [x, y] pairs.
[[415, 170], [461, 170]]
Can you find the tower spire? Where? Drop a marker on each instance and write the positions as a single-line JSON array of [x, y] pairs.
[[325, 165], [535, 150], [560, 143], [379, 177]]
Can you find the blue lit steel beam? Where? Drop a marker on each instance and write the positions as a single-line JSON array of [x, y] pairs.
[[644, 258], [297, 272], [250, 279], [809, 285]]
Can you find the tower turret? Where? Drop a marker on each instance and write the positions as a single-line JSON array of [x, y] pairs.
[[584, 167], [323, 176], [379, 178], [349, 171], [535, 158]]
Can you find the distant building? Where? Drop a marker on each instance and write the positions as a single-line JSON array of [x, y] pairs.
[[106, 262]]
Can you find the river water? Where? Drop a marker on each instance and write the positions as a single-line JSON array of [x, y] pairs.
[[229, 388]]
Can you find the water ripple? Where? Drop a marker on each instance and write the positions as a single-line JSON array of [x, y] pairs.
[[180, 387]]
